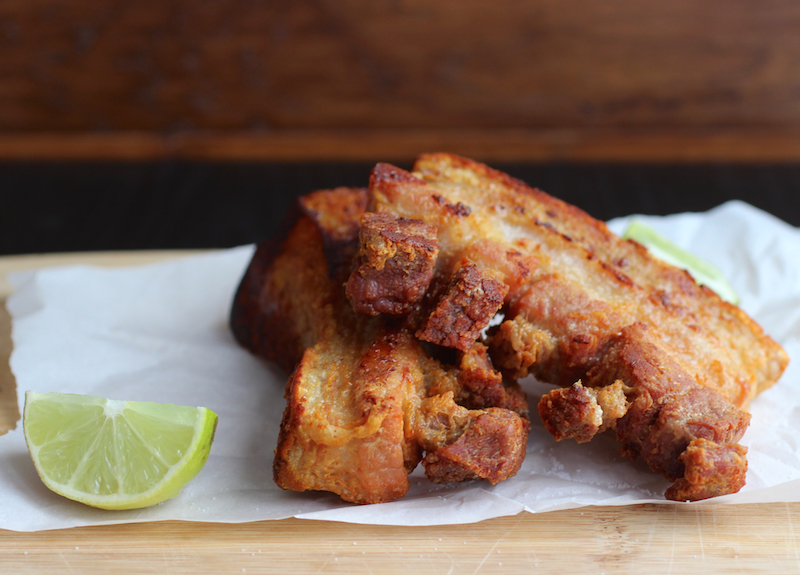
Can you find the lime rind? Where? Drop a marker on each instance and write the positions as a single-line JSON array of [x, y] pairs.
[[65, 455], [703, 272]]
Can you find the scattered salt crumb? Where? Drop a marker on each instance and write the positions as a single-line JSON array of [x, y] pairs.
[[76, 547], [354, 542]]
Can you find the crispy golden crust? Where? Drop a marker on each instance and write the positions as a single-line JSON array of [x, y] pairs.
[[468, 304], [711, 470], [578, 255], [336, 214], [580, 413], [394, 266], [586, 305], [344, 425], [484, 450], [286, 300]]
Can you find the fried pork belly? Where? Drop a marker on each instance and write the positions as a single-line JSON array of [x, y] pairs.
[[664, 363], [473, 296], [365, 403], [287, 300]]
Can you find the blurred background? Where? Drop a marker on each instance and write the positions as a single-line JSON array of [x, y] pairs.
[[193, 124]]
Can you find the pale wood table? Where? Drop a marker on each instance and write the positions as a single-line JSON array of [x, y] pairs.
[[648, 539]]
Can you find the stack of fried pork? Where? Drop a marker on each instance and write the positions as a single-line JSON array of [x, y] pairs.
[[381, 302]]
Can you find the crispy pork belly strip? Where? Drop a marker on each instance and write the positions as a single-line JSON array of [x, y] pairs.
[[723, 348], [344, 426], [269, 317], [585, 301]]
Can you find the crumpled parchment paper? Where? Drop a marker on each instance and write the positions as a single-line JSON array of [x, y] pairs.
[[159, 333]]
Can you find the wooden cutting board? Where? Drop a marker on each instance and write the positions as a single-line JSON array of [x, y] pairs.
[[648, 539]]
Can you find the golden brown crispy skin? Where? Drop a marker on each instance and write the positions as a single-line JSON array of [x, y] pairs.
[[711, 470], [287, 300], [394, 266], [466, 306], [580, 412], [585, 305], [484, 450], [344, 425], [364, 401], [336, 213]]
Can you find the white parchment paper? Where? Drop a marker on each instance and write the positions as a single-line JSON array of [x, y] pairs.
[[159, 333]]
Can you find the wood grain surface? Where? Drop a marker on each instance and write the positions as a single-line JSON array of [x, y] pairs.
[[317, 64], [315, 79], [675, 145], [656, 539]]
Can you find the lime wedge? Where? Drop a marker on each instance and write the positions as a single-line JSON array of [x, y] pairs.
[[115, 454], [703, 272]]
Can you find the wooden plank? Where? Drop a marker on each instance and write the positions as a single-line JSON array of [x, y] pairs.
[[95, 65], [707, 539], [607, 540], [574, 145], [9, 411]]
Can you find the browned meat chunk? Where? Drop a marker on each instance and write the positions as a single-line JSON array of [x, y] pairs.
[[669, 409], [395, 264], [484, 386], [580, 413], [472, 298], [711, 470], [485, 450]]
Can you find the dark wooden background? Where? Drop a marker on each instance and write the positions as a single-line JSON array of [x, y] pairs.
[[113, 113]]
